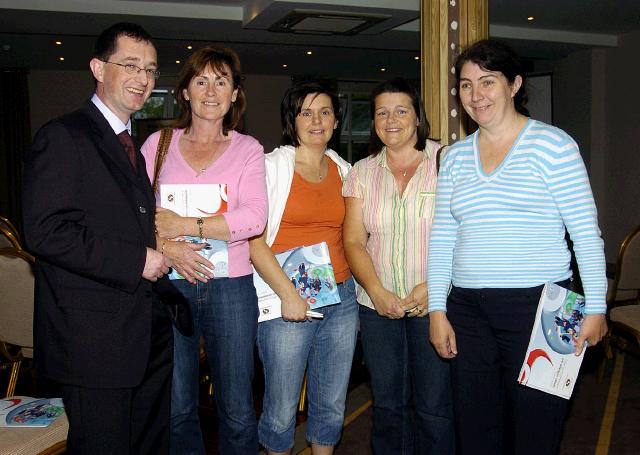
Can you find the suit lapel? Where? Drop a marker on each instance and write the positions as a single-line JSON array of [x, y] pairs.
[[136, 186]]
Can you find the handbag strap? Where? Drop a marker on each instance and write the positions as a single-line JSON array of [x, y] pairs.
[[161, 154]]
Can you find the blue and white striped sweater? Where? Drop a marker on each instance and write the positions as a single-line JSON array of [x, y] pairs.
[[507, 229]]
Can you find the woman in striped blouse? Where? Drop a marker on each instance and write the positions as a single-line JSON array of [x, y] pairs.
[[505, 196], [389, 201]]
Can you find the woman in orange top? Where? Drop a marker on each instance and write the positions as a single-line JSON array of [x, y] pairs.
[[304, 184]]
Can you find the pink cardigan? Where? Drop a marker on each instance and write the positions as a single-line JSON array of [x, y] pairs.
[[241, 167]]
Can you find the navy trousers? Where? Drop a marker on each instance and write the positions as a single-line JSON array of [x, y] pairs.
[[493, 413]]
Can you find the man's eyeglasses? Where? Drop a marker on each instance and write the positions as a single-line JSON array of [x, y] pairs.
[[133, 69]]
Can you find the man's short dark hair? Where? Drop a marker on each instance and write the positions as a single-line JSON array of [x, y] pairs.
[[105, 45]]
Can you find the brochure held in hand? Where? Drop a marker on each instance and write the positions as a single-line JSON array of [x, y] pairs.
[[550, 363], [199, 200], [311, 273], [29, 412]]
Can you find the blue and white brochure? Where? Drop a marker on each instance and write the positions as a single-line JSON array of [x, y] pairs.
[[550, 363], [199, 200], [310, 271]]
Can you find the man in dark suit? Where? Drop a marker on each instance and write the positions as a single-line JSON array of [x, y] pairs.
[[101, 333]]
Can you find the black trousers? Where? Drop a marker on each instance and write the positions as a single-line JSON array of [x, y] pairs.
[[126, 421], [493, 413]]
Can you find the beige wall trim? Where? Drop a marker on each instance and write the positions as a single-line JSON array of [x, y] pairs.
[[447, 26]]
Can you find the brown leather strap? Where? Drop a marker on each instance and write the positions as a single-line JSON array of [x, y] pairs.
[[161, 153]]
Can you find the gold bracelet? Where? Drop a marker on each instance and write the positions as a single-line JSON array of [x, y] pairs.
[[200, 222], [163, 242]]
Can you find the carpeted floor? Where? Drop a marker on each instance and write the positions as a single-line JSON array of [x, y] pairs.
[[603, 419]]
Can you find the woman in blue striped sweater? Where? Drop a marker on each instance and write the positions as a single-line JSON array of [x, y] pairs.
[[504, 198]]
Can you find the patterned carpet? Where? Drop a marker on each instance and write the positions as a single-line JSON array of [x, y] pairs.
[[604, 419]]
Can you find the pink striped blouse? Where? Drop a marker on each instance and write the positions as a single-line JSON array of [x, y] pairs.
[[398, 225]]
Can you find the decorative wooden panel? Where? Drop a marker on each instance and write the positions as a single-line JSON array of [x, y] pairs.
[[447, 26]]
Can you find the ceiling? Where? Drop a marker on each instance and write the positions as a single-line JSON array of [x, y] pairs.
[[29, 29]]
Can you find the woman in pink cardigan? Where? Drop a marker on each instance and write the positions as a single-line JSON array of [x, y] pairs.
[[205, 149]]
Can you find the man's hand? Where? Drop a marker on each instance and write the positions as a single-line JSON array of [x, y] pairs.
[[155, 265]]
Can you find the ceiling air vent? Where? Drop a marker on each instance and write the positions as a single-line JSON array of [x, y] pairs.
[[312, 22]]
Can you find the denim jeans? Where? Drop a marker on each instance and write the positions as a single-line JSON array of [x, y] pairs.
[[326, 346], [412, 409], [494, 414], [225, 313]]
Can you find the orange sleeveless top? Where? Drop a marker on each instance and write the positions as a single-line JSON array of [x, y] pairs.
[[314, 212]]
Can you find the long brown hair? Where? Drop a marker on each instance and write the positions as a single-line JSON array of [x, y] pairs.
[[215, 57]]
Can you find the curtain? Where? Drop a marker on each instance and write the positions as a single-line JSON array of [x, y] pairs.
[[15, 137]]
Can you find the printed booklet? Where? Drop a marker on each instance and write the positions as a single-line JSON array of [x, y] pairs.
[[201, 201], [29, 412], [550, 364], [311, 273]]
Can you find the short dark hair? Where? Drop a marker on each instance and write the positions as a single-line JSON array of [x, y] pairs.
[[492, 55], [215, 57], [398, 85], [106, 43], [291, 106]]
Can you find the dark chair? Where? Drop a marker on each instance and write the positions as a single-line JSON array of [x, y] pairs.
[[623, 301]]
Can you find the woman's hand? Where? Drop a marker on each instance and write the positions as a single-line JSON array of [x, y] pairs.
[[387, 304], [187, 261], [294, 307], [593, 329], [169, 224], [441, 335], [416, 303]]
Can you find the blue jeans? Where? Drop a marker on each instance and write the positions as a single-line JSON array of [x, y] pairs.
[[225, 313], [412, 409], [326, 346]]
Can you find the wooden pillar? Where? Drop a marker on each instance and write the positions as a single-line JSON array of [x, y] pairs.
[[447, 26]]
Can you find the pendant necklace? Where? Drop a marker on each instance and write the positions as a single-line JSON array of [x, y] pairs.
[[404, 173]]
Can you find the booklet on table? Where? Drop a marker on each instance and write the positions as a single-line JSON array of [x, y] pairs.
[[199, 200], [550, 363], [311, 273], [29, 412]]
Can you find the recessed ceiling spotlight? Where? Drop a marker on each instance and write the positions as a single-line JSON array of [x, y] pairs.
[[309, 52], [58, 43], [530, 18], [177, 61], [284, 65], [189, 47], [61, 59], [417, 57], [383, 69]]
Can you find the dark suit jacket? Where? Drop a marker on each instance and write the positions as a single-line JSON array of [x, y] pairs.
[[88, 217]]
